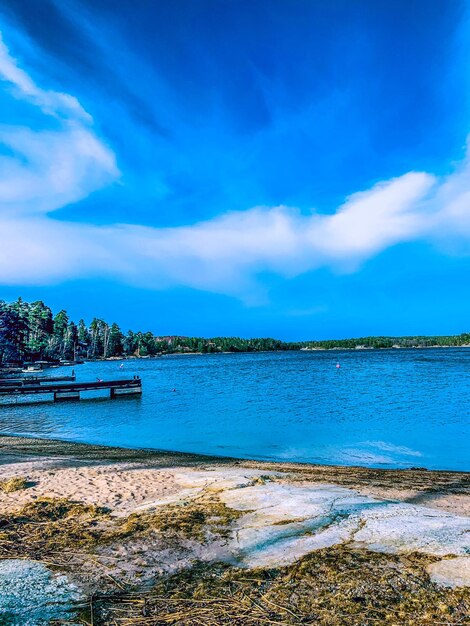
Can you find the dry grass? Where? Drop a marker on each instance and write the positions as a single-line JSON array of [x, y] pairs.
[[331, 587], [50, 528], [196, 519], [17, 483]]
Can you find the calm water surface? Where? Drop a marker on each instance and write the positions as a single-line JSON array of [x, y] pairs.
[[389, 408]]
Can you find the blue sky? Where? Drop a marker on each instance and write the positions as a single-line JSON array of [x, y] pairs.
[[284, 167]]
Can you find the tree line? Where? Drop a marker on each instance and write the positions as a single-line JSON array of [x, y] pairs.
[[30, 332], [418, 341]]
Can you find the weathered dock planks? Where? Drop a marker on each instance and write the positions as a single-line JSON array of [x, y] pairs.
[[71, 391], [35, 380]]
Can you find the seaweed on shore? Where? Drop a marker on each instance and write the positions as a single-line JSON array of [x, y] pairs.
[[330, 587], [413, 479]]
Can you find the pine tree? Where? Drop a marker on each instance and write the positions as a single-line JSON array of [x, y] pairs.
[[40, 327], [115, 346], [13, 333], [83, 338]]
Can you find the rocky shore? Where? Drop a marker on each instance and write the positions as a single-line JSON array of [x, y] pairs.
[[97, 535]]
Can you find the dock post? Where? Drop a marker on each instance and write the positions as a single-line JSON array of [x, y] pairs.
[[125, 391], [61, 396]]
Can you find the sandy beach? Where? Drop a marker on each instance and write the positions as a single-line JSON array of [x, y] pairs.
[[118, 523], [123, 479]]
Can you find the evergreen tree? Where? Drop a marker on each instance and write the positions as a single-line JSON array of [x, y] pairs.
[[40, 327], [83, 338], [13, 333], [130, 343], [56, 342], [61, 322], [116, 338], [96, 338], [70, 341]]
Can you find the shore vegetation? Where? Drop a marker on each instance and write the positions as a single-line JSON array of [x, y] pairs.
[[16, 483], [29, 331]]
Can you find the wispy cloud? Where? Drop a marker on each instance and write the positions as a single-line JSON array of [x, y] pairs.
[[22, 86], [45, 170]]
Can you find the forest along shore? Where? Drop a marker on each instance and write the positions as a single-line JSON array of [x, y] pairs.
[[29, 332], [104, 535]]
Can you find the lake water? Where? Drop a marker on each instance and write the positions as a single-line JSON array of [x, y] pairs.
[[387, 408]]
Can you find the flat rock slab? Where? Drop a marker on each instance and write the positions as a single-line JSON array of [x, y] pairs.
[[284, 521], [451, 572], [31, 595]]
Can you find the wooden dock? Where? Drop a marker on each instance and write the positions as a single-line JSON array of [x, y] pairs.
[[34, 380], [72, 391]]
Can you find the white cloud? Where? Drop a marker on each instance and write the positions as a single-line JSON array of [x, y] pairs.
[[51, 169], [46, 170], [50, 102], [370, 221], [223, 254], [450, 205]]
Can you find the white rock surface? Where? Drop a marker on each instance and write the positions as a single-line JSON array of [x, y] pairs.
[[451, 572], [31, 595], [284, 521], [401, 527]]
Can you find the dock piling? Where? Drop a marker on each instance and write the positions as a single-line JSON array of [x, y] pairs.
[[61, 396]]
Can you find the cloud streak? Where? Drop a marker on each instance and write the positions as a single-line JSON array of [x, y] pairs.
[[45, 170], [21, 84]]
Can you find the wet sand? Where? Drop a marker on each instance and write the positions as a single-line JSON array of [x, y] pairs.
[[123, 479]]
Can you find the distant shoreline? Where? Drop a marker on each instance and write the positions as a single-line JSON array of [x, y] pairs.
[[32, 334], [358, 349], [151, 357]]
